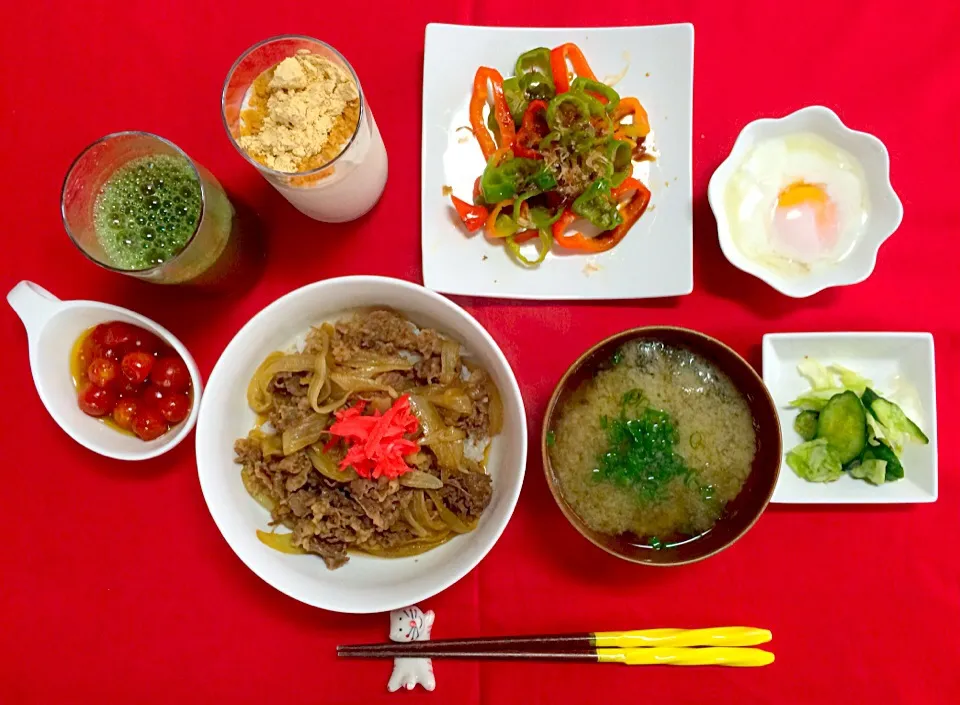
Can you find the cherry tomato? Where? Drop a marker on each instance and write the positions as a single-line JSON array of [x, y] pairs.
[[175, 407], [128, 389], [96, 401], [90, 349], [170, 374], [103, 372], [152, 395], [147, 342], [136, 366], [117, 338], [148, 424], [124, 412]]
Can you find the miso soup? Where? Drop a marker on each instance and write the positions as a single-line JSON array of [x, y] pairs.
[[655, 444]]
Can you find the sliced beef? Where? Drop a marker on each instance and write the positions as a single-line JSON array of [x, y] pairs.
[[288, 411], [333, 553], [293, 383], [466, 493], [384, 332], [428, 370], [381, 500]]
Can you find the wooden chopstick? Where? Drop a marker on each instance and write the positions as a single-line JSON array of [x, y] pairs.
[[643, 656], [585, 641]]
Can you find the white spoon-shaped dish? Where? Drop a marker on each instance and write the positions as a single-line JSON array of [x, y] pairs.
[[53, 327]]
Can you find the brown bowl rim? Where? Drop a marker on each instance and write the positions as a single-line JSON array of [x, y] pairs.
[[646, 331]]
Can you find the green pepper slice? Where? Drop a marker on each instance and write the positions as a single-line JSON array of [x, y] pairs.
[[505, 226], [598, 205], [546, 242], [543, 179], [534, 74], [516, 99], [500, 182], [582, 141], [567, 111], [539, 217], [537, 86], [619, 153], [549, 139], [542, 218], [587, 86]]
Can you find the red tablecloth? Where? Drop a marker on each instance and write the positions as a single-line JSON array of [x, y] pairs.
[[116, 586]]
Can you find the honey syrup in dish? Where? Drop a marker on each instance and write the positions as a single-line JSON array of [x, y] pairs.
[[147, 211], [654, 446]]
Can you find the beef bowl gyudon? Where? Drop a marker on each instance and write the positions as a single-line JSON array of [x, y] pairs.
[[372, 438], [364, 444], [661, 445]]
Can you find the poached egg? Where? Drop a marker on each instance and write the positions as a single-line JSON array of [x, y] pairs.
[[796, 203]]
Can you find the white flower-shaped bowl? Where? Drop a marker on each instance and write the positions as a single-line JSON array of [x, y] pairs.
[[884, 212]]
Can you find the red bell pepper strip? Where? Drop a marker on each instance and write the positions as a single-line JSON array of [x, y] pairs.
[[558, 65], [630, 211], [531, 131], [526, 235], [500, 111], [473, 217], [641, 123]]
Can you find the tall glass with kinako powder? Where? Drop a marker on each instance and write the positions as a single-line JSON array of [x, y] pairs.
[[293, 107], [135, 203]]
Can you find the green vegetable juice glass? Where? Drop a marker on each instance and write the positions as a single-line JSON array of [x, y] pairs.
[[134, 203]]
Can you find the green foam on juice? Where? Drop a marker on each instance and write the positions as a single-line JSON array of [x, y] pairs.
[[147, 211]]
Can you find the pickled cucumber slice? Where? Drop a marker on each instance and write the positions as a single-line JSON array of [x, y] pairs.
[[843, 424]]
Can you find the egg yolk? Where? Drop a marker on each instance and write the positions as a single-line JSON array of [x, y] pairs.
[[805, 221]]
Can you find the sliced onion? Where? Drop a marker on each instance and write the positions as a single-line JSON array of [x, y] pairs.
[[256, 491], [352, 383], [295, 362], [455, 399], [423, 514], [413, 524], [494, 408], [411, 548], [304, 433], [449, 454], [421, 480], [427, 415], [326, 466], [258, 396], [279, 542], [271, 446], [449, 359], [319, 382], [449, 518], [335, 404], [447, 434]]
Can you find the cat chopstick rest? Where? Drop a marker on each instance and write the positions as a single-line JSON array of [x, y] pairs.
[[411, 624]]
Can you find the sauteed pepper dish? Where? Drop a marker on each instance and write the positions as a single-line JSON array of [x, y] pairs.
[[560, 149]]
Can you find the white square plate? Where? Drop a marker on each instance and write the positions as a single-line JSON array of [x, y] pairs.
[[656, 257], [882, 357]]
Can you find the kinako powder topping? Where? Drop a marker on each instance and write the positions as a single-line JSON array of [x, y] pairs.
[[300, 113]]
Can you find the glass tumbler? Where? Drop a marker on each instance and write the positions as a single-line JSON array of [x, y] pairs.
[[203, 257], [345, 187]]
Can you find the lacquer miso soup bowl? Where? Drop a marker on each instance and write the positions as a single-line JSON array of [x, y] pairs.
[[720, 366]]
